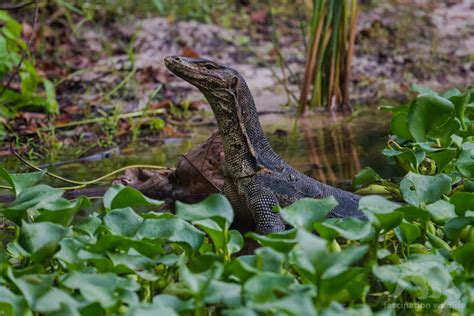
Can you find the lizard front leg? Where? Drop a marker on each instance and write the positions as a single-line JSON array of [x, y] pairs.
[[260, 202], [243, 219]]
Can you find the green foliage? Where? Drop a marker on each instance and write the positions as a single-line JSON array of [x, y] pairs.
[[11, 48], [434, 134], [415, 254]]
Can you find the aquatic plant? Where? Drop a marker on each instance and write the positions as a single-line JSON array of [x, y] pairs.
[[328, 62], [414, 254]]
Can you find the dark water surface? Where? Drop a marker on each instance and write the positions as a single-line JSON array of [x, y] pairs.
[[329, 147]]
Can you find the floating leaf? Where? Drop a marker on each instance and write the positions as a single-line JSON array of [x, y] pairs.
[[104, 288], [21, 181], [215, 205], [409, 232], [10, 303], [465, 162], [381, 211], [173, 230], [463, 202], [418, 189], [441, 211], [349, 228], [304, 212], [120, 196], [123, 222], [366, 176], [144, 309], [42, 239], [31, 199], [432, 117], [399, 125]]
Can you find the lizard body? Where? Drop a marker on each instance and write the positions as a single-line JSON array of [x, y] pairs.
[[256, 177]]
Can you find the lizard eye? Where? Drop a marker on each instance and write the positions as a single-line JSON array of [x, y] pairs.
[[209, 66]]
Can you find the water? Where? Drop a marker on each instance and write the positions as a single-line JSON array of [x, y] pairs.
[[330, 147]]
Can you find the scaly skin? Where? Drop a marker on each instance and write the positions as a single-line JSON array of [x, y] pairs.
[[256, 177]]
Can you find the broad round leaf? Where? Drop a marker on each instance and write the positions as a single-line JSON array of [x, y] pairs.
[[432, 117], [304, 212], [216, 205], [419, 189], [120, 196], [123, 222], [42, 239], [173, 230]]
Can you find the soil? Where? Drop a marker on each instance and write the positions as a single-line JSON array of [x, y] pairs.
[[399, 42]]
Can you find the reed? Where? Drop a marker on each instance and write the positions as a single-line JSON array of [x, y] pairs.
[[329, 57]]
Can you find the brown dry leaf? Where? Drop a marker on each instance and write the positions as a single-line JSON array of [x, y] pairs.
[[259, 16], [189, 52], [198, 174], [200, 170]]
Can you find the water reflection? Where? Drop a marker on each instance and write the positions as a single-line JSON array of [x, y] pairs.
[[329, 147]]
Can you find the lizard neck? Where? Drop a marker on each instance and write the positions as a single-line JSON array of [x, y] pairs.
[[246, 148]]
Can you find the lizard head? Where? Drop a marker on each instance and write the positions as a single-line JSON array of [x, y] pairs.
[[218, 83]]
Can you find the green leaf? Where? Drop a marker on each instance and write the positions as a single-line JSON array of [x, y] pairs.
[[304, 212], [399, 125], [88, 225], [236, 241], [443, 157], [266, 286], [52, 104], [441, 211], [10, 303], [69, 252], [366, 176], [381, 211], [409, 232], [61, 211], [42, 239], [216, 205], [432, 117], [465, 256], [282, 242], [463, 202], [55, 300], [453, 227], [422, 90], [144, 309], [106, 288], [419, 189], [406, 155], [32, 286], [350, 228], [31, 199], [173, 230], [465, 162], [21, 181], [413, 213], [425, 278], [349, 285], [460, 102], [173, 302], [120, 196], [123, 222], [134, 263]]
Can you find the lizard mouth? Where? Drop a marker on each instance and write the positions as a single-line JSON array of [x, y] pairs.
[[180, 69], [183, 68]]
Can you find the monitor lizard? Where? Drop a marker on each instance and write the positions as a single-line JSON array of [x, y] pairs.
[[256, 178]]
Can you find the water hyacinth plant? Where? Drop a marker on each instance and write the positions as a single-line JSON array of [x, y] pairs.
[[414, 255]]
